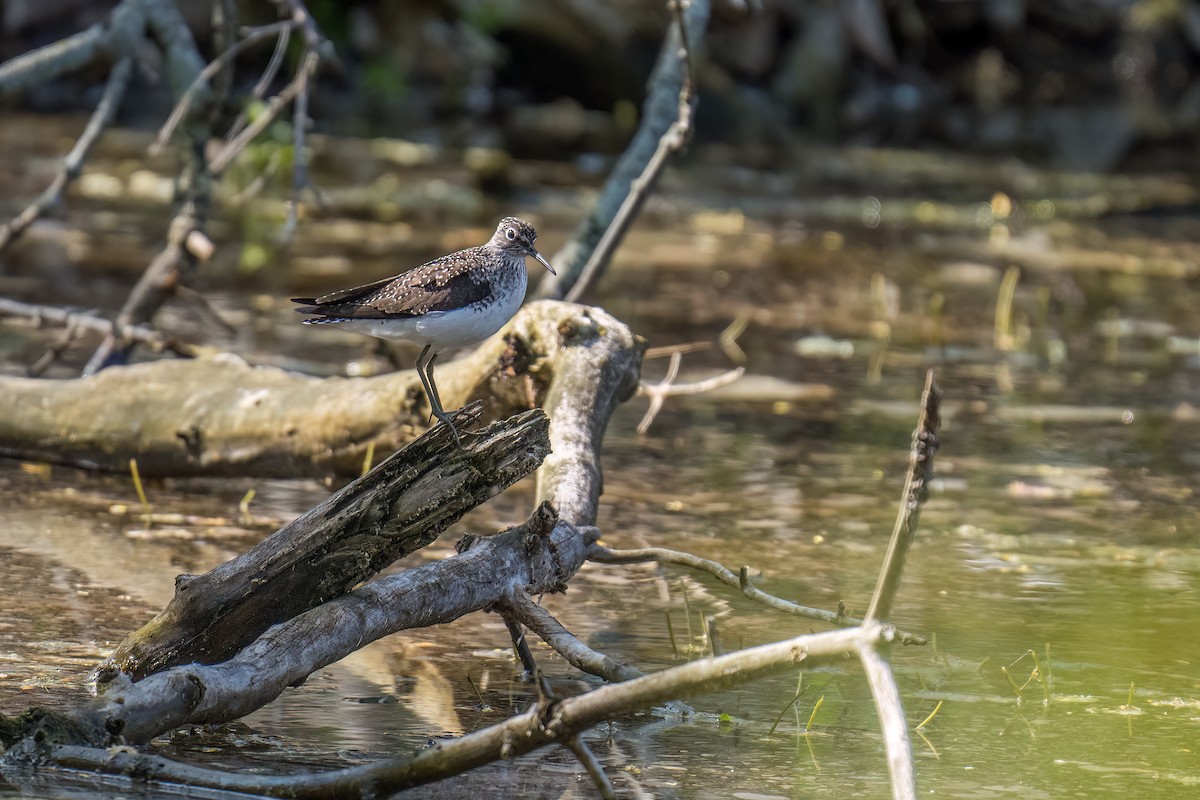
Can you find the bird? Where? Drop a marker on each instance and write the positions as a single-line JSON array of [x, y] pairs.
[[445, 304]]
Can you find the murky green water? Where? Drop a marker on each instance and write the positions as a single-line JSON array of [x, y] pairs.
[[1063, 522]]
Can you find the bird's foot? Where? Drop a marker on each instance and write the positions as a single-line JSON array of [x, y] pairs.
[[445, 418]]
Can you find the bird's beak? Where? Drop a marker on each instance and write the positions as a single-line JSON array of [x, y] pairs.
[[533, 252]]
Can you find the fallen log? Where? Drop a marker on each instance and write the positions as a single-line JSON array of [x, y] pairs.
[[222, 417]]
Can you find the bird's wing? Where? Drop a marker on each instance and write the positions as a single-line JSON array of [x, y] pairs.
[[444, 284]]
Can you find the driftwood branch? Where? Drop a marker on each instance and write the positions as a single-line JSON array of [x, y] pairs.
[[430, 594], [519, 734], [665, 128], [397, 508], [659, 392], [663, 555], [521, 608], [891, 719], [219, 416], [916, 490]]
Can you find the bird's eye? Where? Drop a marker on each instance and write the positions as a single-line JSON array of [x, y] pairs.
[[511, 234]]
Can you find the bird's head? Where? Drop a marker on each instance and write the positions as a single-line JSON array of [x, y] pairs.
[[517, 236]]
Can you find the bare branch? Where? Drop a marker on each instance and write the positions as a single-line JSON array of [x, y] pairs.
[[522, 608], [662, 555], [729, 336], [658, 392], [274, 107], [106, 109], [251, 37], [891, 719], [665, 128], [520, 734], [916, 490], [299, 156], [546, 700], [88, 321], [594, 770], [47, 63]]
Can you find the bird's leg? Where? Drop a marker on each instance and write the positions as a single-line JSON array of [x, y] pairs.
[[425, 372]]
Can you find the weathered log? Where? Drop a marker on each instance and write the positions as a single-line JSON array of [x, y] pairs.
[[222, 417], [397, 508], [583, 362]]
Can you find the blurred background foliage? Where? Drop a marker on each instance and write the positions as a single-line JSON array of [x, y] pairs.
[[1080, 84]]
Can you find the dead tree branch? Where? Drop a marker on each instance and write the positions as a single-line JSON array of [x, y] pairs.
[[659, 392], [665, 129], [662, 555], [545, 702], [890, 710], [72, 166], [522, 609], [54, 315], [287, 653], [118, 36], [519, 734], [916, 490], [217, 65], [539, 555], [397, 508]]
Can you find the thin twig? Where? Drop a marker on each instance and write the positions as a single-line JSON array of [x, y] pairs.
[[522, 608], [251, 36], [658, 392], [662, 555], [729, 336], [299, 157], [106, 109], [206, 308], [274, 107], [589, 761], [264, 82], [916, 490], [86, 321], [546, 701], [54, 351], [668, 349]]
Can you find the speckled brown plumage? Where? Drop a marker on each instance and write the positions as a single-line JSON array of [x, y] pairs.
[[454, 281], [450, 302]]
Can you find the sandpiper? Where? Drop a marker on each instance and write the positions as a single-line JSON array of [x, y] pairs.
[[451, 302]]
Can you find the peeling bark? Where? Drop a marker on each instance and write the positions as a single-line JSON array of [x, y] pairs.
[[395, 509]]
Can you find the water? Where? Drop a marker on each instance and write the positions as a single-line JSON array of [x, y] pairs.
[[1062, 523]]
